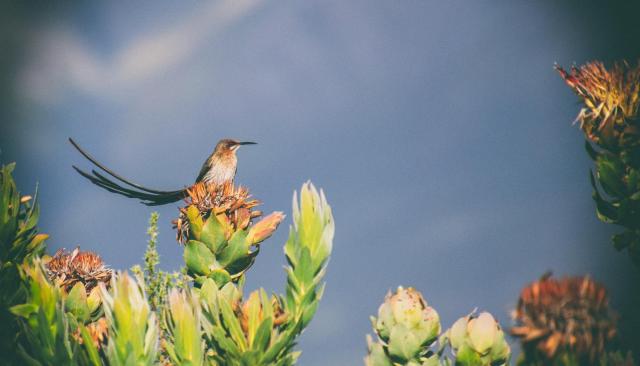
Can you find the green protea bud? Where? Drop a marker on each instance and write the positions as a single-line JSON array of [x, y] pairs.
[[133, 332], [406, 327], [477, 340], [221, 241], [184, 323]]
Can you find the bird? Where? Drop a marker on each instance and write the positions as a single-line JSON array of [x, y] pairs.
[[219, 169]]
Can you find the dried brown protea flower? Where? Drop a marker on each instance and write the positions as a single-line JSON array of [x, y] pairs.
[[228, 202], [567, 315], [611, 99], [66, 269]]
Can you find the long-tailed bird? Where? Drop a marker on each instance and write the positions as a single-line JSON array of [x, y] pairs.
[[219, 168]]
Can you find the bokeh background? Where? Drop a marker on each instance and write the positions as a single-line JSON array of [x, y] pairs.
[[438, 129]]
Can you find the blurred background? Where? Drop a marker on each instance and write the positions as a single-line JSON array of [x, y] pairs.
[[439, 131]]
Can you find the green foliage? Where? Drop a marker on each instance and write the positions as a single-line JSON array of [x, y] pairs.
[[19, 242], [48, 320], [133, 330], [209, 324], [183, 319], [616, 185]]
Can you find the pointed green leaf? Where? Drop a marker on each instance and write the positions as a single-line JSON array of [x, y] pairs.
[[198, 258]]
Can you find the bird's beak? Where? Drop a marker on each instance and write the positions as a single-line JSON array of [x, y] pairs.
[[247, 143]]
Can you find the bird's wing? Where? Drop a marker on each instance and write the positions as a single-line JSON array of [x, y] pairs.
[[148, 196], [203, 171]]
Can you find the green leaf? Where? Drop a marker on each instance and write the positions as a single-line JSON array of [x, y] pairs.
[[403, 344], [237, 248], [195, 222], [263, 335], [624, 239], [226, 343], [199, 258], [24, 310], [254, 309], [87, 343], [76, 302], [213, 234], [232, 324], [466, 356], [609, 173], [220, 276]]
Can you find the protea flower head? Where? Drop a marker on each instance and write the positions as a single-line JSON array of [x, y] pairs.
[[406, 325], [477, 339], [611, 98], [66, 269], [216, 226], [567, 315], [233, 204]]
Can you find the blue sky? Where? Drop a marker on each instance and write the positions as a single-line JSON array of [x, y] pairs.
[[439, 132]]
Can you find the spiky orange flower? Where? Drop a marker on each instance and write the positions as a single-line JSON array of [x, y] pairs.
[[611, 99], [66, 269], [571, 314], [242, 311], [98, 331], [232, 202]]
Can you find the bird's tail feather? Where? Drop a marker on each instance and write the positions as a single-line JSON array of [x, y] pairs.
[[148, 196]]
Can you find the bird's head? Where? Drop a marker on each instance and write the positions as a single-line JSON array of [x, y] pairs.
[[230, 145]]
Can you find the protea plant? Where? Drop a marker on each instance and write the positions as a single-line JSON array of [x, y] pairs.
[[75, 310], [53, 323], [477, 340], [262, 329], [406, 328], [564, 322], [19, 242], [216, 225], [609, 120]]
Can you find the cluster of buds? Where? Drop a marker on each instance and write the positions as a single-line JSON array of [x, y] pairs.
[[66, 269], [406, 328], [567, 316], [216, 226], [477, 339]]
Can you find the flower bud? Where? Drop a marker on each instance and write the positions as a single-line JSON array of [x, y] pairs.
[[264, 228]]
